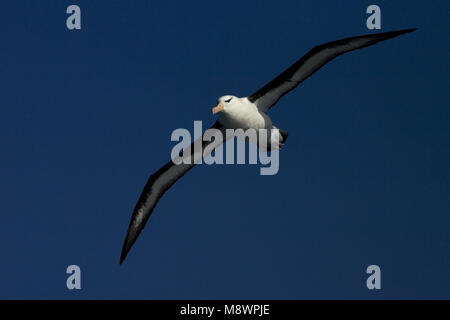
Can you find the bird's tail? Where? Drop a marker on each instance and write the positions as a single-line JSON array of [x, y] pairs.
[[278, 138], [284, 136]]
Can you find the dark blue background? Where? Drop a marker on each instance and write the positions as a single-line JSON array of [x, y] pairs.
[[86, 117]]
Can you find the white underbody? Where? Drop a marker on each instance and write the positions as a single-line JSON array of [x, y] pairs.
[[243, 114]]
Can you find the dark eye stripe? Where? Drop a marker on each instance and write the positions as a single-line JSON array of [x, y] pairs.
[[228, 100]]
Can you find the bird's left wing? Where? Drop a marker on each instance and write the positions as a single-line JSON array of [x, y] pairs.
[[316, 58], [163, 179]]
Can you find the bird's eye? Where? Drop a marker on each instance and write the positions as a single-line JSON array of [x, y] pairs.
[[228, 100]]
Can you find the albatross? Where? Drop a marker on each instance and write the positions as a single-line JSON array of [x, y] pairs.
[[244, 113]]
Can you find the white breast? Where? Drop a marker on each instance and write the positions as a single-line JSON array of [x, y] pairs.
[[244, 115]]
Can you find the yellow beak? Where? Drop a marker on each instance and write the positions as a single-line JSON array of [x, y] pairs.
[[217, 108]]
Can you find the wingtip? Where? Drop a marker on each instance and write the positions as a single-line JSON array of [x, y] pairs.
[[410, 30], [124, 252], [128, 243], [392, 34], [398, 32]]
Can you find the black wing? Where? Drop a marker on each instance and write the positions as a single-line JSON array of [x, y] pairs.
[[316, 58], [158, 183]]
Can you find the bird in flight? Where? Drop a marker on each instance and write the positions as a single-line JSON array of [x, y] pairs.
[[245, 113]]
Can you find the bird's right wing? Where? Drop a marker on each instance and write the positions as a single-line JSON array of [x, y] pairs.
[[160, 181], [316, 58]]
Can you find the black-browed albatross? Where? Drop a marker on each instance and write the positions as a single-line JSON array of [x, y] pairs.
[[247, 112]]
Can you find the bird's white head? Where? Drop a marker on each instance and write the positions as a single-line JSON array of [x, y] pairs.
[[225, 103]]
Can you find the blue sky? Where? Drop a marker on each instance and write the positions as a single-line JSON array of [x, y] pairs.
[[86, 117]]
